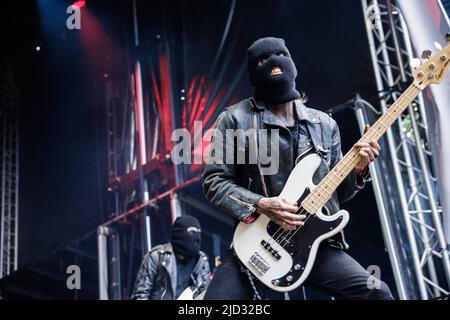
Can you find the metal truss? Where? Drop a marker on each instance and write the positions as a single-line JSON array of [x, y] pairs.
[[9, 179], [412, 226]]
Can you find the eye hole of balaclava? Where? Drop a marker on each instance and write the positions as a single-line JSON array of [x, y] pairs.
[[262, 59], [186, 236], [272, 71]]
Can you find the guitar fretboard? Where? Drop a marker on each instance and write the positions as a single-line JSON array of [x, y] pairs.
[[325, 189]]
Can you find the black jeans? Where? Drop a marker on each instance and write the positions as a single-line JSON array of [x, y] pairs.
[[335, 273]]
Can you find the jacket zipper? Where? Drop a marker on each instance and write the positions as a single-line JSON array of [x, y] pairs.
[[164, 293], [250, 206], [250, 180]]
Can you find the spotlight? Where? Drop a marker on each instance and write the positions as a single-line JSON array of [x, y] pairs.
[[38, 48], [80, 4]]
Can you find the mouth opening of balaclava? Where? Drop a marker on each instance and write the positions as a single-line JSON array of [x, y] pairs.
[[270, 87], [185, 243]]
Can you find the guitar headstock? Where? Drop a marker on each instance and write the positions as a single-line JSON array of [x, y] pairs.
[[435, 68]]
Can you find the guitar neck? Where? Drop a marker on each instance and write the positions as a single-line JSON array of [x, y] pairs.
[[325, 189]]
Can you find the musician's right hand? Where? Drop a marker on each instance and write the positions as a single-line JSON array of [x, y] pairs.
[[281, 211]]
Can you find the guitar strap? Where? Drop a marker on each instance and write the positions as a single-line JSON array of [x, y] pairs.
[[315, 133]]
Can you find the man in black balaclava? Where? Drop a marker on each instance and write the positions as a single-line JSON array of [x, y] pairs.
[[244, 191], [179, 266], [274, 77], [186, 237]]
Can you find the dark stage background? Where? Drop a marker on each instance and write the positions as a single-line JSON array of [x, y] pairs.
[[62, 114]]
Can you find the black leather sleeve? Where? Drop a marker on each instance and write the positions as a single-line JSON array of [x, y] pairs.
[[146, 276], [219, 177]]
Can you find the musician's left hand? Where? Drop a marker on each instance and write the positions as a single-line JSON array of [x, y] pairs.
[[368, 152]]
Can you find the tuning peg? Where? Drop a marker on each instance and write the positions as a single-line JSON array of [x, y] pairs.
[[437, 45], [426, 54], [414, 63]]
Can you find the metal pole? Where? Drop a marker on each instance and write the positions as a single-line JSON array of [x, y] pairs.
[[140, 123], [175, 207], [10, 193], [141, 154], [2, 204], [135, 25], [385, 224], [102, 247], [16, 218]]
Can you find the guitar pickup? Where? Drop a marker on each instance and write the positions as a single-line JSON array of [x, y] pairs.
[[274, 253]]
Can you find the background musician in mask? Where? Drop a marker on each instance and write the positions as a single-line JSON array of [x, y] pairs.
[[169, 269]]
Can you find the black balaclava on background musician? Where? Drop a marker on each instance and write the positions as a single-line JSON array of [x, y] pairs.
[[274, 77], [185, 236], [186, 240]]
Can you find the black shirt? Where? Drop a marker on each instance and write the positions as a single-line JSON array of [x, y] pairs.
[[184, 271], [297, 130]]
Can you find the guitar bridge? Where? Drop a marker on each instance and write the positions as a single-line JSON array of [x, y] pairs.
[[259, 263]]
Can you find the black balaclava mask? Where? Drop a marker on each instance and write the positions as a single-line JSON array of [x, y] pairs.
[[272, 88], [185, 243]]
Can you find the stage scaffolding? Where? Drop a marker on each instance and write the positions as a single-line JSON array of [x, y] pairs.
[[408, 200], [143, 107], [138, 191], [9, 176]]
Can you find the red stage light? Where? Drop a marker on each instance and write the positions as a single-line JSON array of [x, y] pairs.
[[80, 4]]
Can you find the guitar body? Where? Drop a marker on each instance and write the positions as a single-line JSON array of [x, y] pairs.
[[187, 294], [279, 260]]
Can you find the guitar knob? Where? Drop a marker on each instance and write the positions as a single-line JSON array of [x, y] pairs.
[[297, 267], [426, 54], [275, 282], [289, 278]]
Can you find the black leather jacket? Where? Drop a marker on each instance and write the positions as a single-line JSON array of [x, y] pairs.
[[236, 188], [157, 276]]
